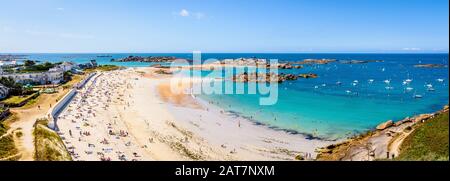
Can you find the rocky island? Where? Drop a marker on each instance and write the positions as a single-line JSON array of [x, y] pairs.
[[161, 59], [316, 61], [359, 61], [269, 77], [430, 65]]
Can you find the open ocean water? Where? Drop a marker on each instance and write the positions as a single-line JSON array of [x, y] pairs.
[[320, 106]]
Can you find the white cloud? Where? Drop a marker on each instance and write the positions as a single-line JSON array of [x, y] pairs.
[[411, 49], [184, 13], [60, 9]]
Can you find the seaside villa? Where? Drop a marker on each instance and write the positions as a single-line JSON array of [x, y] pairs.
[[53, 76]]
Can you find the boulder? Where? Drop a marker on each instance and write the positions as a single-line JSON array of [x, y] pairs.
[[422, 117], [307, 76], [385, 125]]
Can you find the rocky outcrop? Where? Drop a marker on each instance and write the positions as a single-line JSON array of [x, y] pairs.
[[264, 77], [359, 61], [430, 66], [422, 117], [269, 77], [283, 66], [307, 76], [258, 77], [385, 125], [316, 61], [162, 59], [355, 148]]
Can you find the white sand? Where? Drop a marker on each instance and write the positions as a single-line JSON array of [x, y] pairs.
[[128, 101]]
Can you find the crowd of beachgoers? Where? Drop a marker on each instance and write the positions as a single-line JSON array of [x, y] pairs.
[[132, 114]]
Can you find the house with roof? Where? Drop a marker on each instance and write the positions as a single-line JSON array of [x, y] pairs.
[[4, 91]]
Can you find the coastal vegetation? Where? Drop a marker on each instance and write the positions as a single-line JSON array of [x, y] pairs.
[[103, 68], [14, 87], [20, 100], [3, 128], [429, 141], [422, 137], [30, 66], [7, 146], [48, 145]]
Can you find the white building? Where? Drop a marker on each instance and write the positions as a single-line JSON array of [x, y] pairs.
[[53, 76], [4, 91], [67, 66]]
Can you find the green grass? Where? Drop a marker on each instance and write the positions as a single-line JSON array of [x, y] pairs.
[[7, 147], [429, 141], [16, 100], [103, 68], [49, 146], [3, 129]]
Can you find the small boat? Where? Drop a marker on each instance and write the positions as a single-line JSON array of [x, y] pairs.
[[387, 81], [371, 80], [407, 81], [348, 91], [409, 89], [338, 83], [355, 81], [430, 89], [429, 85], [324, 85], [316, 87], [389, 88], [417, 96], [440, 80]]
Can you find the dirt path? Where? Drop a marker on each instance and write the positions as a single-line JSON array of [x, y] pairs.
[[26, 117], [394, 147]]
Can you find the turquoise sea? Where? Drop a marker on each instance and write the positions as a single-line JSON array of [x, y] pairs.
[[321, 107]]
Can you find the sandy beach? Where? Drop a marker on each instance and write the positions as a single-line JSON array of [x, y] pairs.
[[131, 114]]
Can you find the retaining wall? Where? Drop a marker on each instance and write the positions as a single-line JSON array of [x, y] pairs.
[[61, 104]]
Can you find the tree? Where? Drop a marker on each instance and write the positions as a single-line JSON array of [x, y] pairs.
[[28, 63], [15, 88]]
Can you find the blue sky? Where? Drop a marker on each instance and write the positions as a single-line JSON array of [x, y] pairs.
[[67, 26]]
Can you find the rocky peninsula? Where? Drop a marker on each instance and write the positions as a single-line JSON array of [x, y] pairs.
[[383, 142]]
